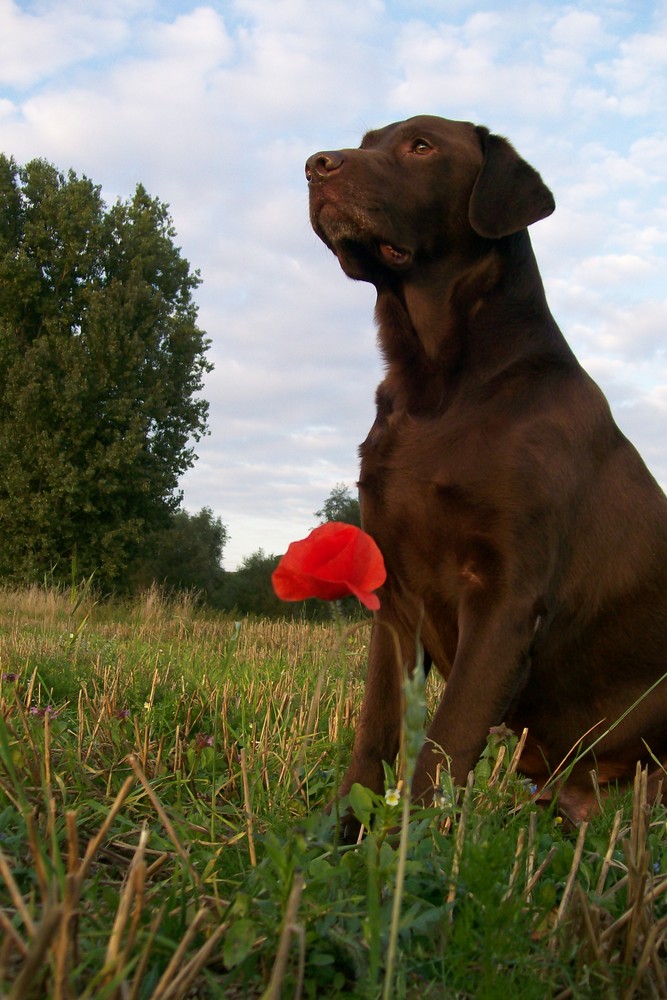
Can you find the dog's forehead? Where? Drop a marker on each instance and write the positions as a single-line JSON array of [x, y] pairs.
[[429, 124]]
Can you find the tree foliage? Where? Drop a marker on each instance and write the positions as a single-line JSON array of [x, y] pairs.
[[187, 555], [340, 505], [101, 365], [248, 590]]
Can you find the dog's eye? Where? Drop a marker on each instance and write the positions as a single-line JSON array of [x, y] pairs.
[[421, 146]]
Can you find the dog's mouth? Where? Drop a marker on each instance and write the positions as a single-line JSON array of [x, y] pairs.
[[367, 258], [350, 234], [393, 255]]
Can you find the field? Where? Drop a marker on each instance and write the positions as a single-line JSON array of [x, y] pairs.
[[163, 774]]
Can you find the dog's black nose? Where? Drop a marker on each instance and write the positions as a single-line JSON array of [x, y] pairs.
[[322, 164]]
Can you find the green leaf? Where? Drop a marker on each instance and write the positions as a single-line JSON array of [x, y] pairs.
[[319, 958], [238, 943], [361, 801]]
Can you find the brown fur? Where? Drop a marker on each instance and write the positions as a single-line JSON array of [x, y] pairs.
[[523, 535]]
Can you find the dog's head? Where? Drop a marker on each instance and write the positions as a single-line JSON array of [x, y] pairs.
[[419, 191]]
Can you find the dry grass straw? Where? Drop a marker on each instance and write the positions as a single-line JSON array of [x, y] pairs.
[[635, 940], [459, 843], [51, 947], [248, 808], [290, 929], [42, 605], [55, 936]]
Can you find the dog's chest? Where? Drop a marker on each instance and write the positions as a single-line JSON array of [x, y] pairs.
[[429, 484]]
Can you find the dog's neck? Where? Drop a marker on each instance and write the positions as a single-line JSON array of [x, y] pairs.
[[446, 317], [438, 298]]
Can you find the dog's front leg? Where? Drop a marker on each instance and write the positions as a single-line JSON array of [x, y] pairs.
[[491, 664], [378, 730]]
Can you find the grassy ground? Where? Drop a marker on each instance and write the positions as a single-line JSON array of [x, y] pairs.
[[162, 779]]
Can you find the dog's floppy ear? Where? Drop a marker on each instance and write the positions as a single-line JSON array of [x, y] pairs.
[[508, 194]]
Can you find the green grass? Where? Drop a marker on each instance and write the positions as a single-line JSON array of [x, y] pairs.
[[163, 776]]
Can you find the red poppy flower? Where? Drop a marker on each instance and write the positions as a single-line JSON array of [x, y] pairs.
[[334, 561]]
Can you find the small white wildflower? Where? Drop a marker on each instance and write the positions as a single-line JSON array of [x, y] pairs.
[[392, 796], [441, 798]]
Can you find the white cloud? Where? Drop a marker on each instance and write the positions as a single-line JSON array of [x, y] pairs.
[[608, 271], [578, 30], [479, 65], [200, 34], [638, 331], [638, 74], [34, 45]]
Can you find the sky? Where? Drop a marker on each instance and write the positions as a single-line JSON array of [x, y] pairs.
[[214, 108]]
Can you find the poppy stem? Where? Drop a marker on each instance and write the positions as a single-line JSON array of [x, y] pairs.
[[412, 738], [340, 709]]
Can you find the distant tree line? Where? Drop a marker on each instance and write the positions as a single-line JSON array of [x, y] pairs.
[[248, 590], [188, 554]]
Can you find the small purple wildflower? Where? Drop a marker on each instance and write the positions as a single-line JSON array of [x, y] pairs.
[[530, 786], [122, 713], [202, 740], [42, 712], [10, 678]]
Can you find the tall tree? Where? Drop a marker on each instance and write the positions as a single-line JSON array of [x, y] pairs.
[[340, 505], [101, 365]]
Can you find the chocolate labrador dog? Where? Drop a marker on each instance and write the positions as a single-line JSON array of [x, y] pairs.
[[524, 538]]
